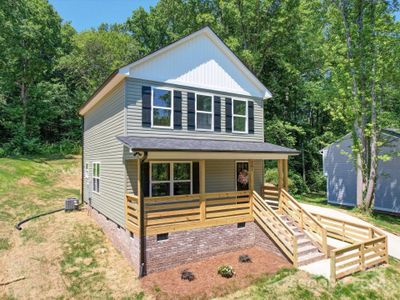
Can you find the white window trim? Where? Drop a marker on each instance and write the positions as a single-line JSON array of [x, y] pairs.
[[161, 107], [95, 177], [236, 170], [240, 116], [171, 180], [204, 112], [86, 170]]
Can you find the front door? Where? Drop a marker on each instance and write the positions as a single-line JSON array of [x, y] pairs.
[[242, 176]]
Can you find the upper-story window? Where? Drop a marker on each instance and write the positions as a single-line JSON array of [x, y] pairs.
[[239, 117], [161, 108], [204, 112]]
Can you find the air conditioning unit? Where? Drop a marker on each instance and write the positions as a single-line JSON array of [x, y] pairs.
[[71, 204]]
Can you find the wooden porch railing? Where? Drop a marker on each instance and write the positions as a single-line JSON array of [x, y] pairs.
[[276, 228], [184, 212], [132, 213], [369, 246], [307, 222]]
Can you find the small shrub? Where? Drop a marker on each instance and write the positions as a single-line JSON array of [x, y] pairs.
[[226, 271], [244, 258], [187, 275]]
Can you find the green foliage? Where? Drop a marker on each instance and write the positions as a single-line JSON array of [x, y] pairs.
[[295, 182], [226, 271], [296, 48]]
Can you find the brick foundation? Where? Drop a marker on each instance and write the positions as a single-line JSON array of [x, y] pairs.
[[184, 246], [121, 239]]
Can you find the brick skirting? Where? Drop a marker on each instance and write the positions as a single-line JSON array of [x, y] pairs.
[[184, 246]]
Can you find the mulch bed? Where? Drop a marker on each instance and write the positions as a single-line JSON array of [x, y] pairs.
[[169, 285]]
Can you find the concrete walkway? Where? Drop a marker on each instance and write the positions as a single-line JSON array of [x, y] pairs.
[[322, 267]]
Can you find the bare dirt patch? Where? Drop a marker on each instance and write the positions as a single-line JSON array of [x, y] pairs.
[[39, 261], [24, 181], [207, 283], [69, 179]]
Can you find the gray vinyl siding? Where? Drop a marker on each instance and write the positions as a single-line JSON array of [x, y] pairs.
[[387, 193], [340, 173], [342, 179], [102, 124], [134, 114], [220, 176]]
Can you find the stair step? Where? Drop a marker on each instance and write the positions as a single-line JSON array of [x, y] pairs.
[[303, 242], [306, 249], [310, 258]]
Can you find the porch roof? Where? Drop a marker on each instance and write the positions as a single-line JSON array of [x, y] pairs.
[[140, 143]]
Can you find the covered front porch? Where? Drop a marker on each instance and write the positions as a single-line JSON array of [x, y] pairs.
[[174, 190]]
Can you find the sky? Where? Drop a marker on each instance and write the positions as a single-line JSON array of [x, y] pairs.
[[86, 14]]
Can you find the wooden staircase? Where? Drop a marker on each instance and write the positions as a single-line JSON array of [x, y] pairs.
[[307, 251], [270, 194], [299, 236]]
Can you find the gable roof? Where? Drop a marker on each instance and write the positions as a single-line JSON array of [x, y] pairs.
[[389, 131], [226, 68]]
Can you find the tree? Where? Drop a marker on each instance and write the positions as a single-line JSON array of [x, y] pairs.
[[30, 44], [359, 31]]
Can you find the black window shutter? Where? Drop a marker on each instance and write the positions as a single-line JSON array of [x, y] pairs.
[[217, 114], [146, 106], [228, 113], [250, 111], [196, 177], [177, 110], [191, 111], [146, 179]]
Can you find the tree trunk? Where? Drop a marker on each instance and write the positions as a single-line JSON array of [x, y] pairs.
[[373, 158], [24, 100]]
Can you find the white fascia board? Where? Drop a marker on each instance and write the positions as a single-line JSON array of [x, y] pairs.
[[171, 155], [102, 92]]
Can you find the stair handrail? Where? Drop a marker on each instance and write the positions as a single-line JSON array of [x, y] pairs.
[[322, 232], [277, 239]]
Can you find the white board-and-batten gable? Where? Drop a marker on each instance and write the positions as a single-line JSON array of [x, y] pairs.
[[200, 60]]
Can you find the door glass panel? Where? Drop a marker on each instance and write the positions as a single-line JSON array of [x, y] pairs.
[[242, 175]]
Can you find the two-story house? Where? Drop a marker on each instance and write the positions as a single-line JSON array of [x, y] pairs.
[[173, 156]]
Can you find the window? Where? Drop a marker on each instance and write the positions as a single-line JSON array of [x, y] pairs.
[[170, 178], [204, 112], [96, 177], [161, 108], [239, 118]]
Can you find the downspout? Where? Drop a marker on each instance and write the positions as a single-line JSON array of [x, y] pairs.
[[141, 221]]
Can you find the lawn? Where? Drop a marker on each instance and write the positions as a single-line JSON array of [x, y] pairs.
[[378, 283], [388, 222], [60, 256], [66, 255]]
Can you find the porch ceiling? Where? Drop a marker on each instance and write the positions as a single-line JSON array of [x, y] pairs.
[[181, 148]]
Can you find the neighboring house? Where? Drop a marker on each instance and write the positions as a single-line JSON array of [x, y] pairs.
[[174, 155], [339, 169]]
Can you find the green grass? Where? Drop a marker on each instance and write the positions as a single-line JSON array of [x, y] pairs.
[[4, 244], [377, 283], [27, 186], [388, 222], [79, 264]]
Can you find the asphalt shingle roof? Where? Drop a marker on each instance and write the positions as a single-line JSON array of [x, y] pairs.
[[195, 145]]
